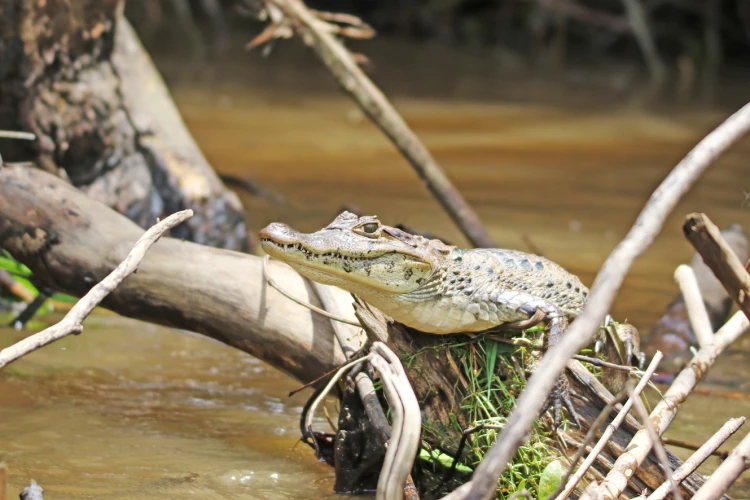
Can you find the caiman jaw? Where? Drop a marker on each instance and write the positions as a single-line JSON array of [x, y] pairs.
[[357, 254]]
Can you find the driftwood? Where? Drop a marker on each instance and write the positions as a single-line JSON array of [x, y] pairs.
[[700, 456], [726, 474], [75, 74], [72, 242]]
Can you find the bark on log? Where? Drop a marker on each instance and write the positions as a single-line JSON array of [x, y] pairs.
[[75, 74], [71, 242]]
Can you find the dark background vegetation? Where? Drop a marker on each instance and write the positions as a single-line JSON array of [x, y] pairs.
[[587, 30]]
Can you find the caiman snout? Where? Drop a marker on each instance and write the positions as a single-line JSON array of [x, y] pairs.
[[279, 233]]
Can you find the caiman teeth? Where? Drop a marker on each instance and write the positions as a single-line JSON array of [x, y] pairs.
[[309, 253]]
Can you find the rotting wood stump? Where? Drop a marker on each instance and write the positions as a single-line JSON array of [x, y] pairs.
[[437, 385]]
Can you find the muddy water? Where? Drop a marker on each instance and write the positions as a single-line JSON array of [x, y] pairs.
[[129, 410]]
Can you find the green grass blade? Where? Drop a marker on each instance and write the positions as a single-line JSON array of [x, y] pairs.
[[491, 358]]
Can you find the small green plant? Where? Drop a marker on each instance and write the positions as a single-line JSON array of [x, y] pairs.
[[493, 373], [23, 276]]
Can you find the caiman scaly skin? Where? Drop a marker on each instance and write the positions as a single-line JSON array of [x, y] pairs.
[[428, 285]]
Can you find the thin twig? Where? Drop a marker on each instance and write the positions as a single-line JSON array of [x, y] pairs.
[[696, 308], [679, 443], [407, 423], [313, 382], [724, 475], [601, 362], [611, 428], [322, 312], [72, 322], [31, 309], [3, 481], [661, 452], [351, 337], [8, 281], [719, 257], [324, 392], [14, 134], [666, 409], [696, 459], [608, 281], [596, 425], [375, 104]]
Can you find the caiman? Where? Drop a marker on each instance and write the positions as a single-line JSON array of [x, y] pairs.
[[433, 287]]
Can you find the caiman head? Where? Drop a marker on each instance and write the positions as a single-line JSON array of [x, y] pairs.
[[358, 254]]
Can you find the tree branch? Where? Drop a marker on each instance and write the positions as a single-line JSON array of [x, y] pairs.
[[719, 257], [723, 477], [72, 323], [375, 104]]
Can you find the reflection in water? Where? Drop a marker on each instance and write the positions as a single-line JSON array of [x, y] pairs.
[[129, 410]]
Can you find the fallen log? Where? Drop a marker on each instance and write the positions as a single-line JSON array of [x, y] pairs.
[[72, 242]]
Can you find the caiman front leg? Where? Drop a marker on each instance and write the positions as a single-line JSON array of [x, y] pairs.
[[557, 323]]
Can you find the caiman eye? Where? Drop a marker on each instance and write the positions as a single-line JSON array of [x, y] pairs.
[[370, 228]]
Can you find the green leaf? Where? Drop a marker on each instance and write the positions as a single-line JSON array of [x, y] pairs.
[[11, 265], [63, 297], [535, 329], [442, 458], [550, 480], [491, 358]]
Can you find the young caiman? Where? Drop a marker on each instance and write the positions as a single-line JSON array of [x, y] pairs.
[[433, 287]]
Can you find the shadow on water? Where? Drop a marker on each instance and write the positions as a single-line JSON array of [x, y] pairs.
[[129, 410]]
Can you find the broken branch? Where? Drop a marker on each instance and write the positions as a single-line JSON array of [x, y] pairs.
[[611, 428], [723, 477], [665, 411], [376, 105], [719, 257], [696, 459], [72, 323], [661, 452], [696, 308]]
